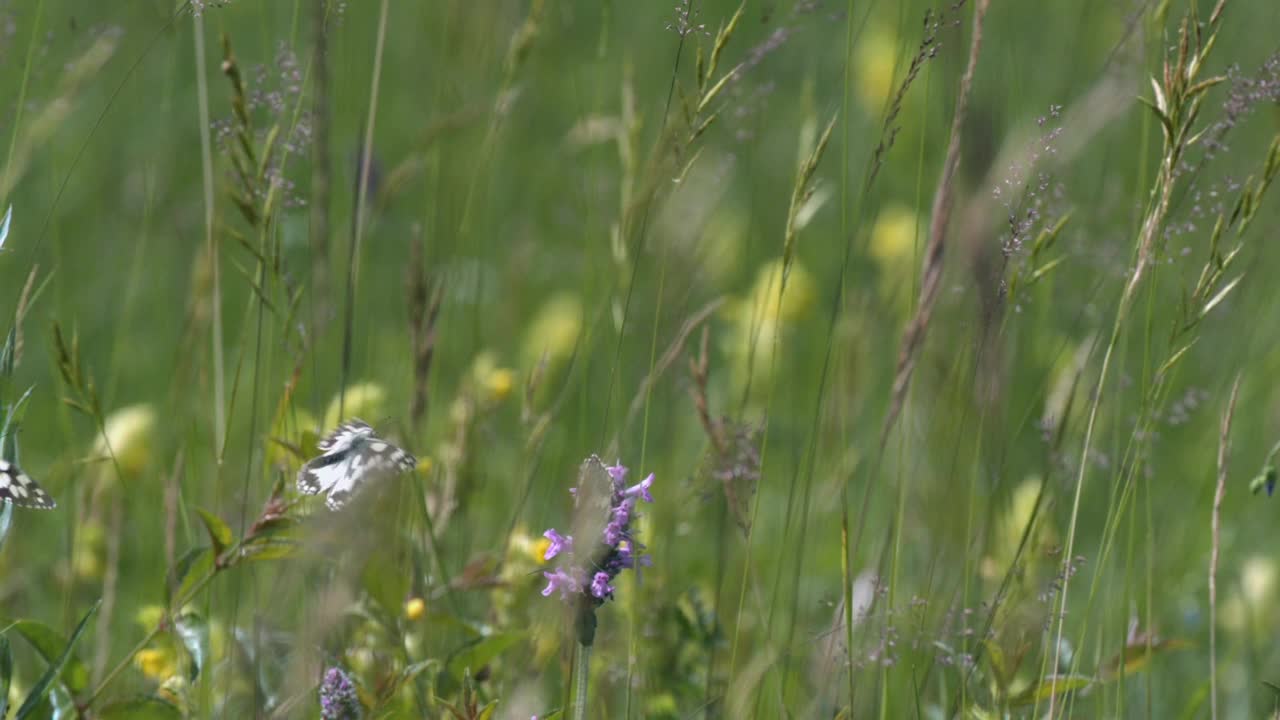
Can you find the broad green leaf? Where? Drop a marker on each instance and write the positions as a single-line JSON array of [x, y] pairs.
[[482, 653], [386, 583], [1051, 686], [269, 548], [142, 708], [6, 674], [486, 712], [193, 630], [50, 643], [190, 569], [41, 688], [219, 534]]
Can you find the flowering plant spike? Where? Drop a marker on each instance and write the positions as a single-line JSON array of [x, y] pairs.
[[602, 544]]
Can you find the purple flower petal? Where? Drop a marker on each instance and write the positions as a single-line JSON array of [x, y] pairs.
[[642, 489], [600, 586], [559, 543]]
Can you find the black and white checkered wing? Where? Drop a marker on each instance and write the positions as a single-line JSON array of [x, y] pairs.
[[18, 488], [322, 473], [352, 455]]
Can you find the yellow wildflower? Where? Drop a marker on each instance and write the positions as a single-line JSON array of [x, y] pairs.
[[415, 608], [366, 400], [554, 330], [126, 436], [893, 239], [156, 663], [876, 55], [795, 301]]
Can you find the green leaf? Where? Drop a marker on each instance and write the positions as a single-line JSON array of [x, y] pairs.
[[6, 674], [482, 653], [386, 584], [219, 534], [49, 644], [55, 668], [1051, 686], [141, 708], [190, 569], [269, 548], [193, 630]]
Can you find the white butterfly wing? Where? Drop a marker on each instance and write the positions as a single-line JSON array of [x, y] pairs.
[[19, 489], [352, 455]]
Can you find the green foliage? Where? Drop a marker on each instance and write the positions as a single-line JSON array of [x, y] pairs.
[[513, 235]]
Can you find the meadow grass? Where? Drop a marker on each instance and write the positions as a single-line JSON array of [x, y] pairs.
[[937, 339]]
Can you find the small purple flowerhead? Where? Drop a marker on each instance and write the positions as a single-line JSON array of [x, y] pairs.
[[338, 698]]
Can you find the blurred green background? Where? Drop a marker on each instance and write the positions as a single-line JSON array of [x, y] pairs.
[[538, 157]]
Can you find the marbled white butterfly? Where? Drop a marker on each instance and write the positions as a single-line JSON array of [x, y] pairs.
[[351, 455], [18, 488]]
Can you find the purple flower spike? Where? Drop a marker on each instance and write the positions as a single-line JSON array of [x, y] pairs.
[[559, 543], [642, 489], [586, 576], [600, 586]]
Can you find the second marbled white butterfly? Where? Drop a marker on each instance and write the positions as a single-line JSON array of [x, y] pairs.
[[18, 488], [351, 456]]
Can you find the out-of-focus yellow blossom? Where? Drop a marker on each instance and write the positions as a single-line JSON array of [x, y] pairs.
[[875, 57], [494, 383], [499, 384], [721, 246], [662, 705], [523, 549], [149, 616], [424, 466], [1010, 526], [86, 558], [1258, 580], [127, 435], [1248, 606], [795, 302], [366, 400], [538, 551], [893, 239], [1064, 379], [156, 663], [415, 608], [554, 330]]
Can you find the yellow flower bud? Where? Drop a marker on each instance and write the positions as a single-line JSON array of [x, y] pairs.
[[415, 608], [499, 384]]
